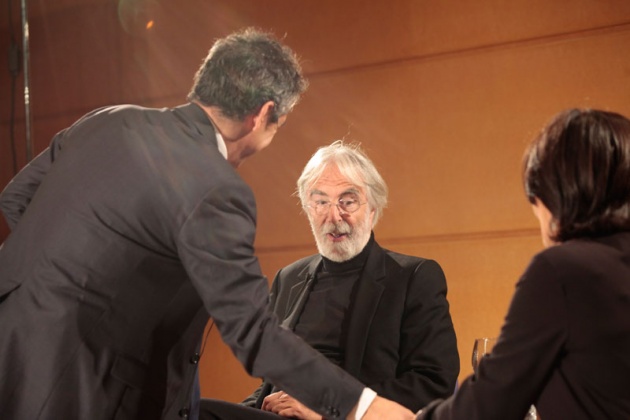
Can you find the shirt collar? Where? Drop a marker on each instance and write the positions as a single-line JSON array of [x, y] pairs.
[[221, 143]]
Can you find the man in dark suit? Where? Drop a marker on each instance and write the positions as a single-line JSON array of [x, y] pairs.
[[382, 316], [132, 228]]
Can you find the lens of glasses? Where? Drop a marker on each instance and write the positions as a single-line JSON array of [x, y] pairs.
[[349, 206], [344, 204]]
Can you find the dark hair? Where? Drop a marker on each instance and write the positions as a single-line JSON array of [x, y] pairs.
[[246, 69], [579, 167]]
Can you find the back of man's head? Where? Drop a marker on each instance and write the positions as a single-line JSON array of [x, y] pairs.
[[245, 70]]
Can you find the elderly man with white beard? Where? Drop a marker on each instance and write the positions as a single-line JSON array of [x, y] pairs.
[[380, 315]]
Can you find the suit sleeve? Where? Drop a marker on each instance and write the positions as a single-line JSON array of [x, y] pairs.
[[255, 399], [429, 360], [19, 192], [215, 245], [531, 341]]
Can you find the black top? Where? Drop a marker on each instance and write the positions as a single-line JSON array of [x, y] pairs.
[[323, 323], [565, 344], [400, 339]]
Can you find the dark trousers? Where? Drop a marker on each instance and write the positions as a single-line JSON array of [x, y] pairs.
[[211, 409]]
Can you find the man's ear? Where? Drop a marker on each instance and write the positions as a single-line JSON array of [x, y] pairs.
[[261, 118]]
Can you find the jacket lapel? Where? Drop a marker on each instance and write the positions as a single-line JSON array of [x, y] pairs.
[[299, 293], [362, 310]]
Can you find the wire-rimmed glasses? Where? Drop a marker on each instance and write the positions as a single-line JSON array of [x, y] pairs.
[[345, 205]]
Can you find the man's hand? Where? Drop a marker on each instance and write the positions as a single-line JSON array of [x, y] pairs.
[[284, 405], [384, 409]]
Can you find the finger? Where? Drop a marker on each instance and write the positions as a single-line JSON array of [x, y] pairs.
[[275, 395], [277, 405], [289, 412], [270, 399], [281, 407]]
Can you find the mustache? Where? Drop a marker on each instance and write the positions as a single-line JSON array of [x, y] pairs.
[[336, 228]]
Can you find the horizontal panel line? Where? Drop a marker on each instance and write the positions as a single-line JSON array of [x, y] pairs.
[[424, 239], [526, 42], [178, 98]]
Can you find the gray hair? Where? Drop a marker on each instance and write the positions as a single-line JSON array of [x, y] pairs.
[[354, 164], [245, 70]]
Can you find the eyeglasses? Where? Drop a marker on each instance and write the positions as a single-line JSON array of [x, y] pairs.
[[345, 205]]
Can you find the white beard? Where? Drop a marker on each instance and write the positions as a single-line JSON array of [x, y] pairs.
[[350, 247]]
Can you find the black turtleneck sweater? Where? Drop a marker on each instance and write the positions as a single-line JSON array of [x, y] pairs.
[[323, 322]]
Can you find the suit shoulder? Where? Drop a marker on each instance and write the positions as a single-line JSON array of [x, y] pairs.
[[123, 111], [299, 265], [418, 270], [409, 260], [585, 258]]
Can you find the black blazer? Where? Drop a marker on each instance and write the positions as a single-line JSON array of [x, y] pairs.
[[401, 341], [565, 344], [132, 229]]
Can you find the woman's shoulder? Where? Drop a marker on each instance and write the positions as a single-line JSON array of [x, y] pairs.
[[585, 255], [617, 243]]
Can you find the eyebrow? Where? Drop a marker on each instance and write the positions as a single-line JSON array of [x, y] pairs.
[[348, 191]]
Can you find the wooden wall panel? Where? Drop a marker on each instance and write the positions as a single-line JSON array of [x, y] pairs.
[[448, 134], [60, 68], [9, 89], [338, 35]]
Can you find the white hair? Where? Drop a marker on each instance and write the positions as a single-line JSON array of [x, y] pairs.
[[354, 164]]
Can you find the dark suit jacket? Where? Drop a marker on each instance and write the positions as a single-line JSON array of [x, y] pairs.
[[565, 344], [401, 341], [132, 229]]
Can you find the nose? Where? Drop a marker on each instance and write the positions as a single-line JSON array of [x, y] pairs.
[[334, 212]]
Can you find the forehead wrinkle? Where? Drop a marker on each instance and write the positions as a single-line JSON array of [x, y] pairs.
[[315, 191], [332, 179], [349, 190]]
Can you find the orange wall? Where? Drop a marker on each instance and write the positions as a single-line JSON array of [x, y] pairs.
[[444, 96]]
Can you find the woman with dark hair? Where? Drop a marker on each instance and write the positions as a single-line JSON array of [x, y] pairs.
[[565, 344]]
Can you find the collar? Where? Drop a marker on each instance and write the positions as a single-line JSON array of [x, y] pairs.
[[220, 143], [200, 116]]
